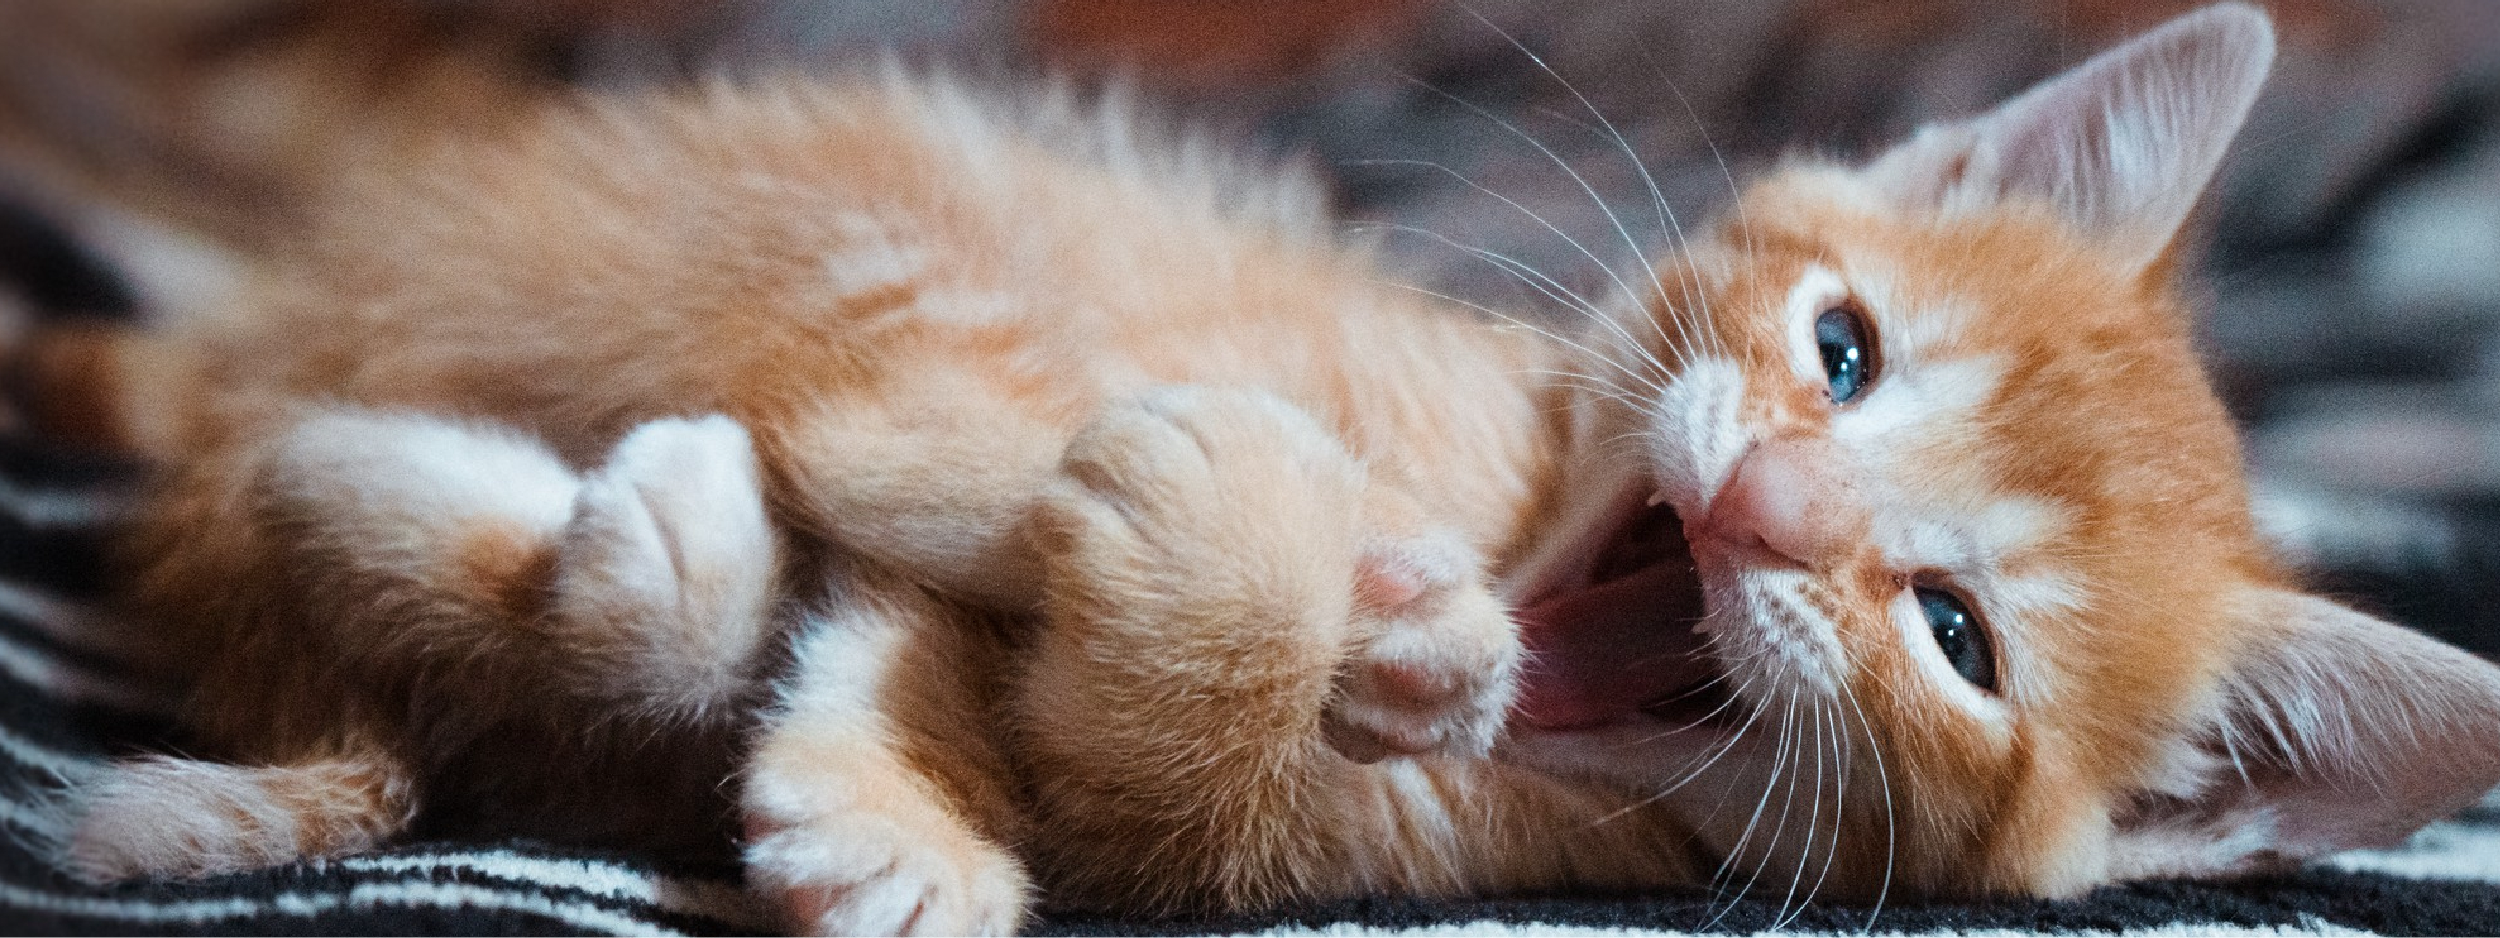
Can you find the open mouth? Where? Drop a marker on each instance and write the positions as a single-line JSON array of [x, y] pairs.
[[1610, 634]]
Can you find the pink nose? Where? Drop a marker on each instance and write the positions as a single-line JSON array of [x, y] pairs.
[[1790, 496]]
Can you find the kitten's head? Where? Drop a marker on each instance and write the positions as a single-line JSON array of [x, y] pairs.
[[1980, 603]]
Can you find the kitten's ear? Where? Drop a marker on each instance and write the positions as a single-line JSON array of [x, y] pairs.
[[2123, 144], [2331, 731]]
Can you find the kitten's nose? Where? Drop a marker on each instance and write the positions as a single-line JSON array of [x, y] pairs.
[[1791, 496]]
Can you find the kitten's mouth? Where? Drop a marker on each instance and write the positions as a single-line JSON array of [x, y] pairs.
[[1611, 636]]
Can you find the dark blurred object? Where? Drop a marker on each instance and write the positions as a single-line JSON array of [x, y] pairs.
[[1220, 44], [215, 115], [50, 270]]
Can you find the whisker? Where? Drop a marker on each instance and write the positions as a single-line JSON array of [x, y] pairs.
[[1582, 380], [1550, 335], [1883, 782], [1667, 221], [1528, 276], [1814, 822], [1700, 765], [1779, 767], [1626, 288], [1630, 244], [1826, 740], [1736, 196], [1518, 269], [1844, 760], [1608, 392]]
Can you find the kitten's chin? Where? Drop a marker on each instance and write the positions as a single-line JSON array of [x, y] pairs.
[[1610, 638]]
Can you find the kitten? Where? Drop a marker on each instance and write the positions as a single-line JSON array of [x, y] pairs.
[[1101, 531]]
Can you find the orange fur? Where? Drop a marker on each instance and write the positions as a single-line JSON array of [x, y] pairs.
[[1134, 542]]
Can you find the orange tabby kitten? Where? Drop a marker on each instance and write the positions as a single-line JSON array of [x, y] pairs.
[[1131, 544]]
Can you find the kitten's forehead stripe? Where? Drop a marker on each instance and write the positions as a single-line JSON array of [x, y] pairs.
[[2014, 524], [1916, 327]]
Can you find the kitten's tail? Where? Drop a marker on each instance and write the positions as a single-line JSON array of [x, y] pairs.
[[173, 817]]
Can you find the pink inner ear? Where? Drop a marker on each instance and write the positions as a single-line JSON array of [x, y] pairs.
[[2334, 731], [2123, 145], [2317, 819]]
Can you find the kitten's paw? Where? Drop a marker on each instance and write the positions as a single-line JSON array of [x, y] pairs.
[[874, 875], [668, 563], [1238, 492], [1437, 657], [1195, 452], [1242, 501]]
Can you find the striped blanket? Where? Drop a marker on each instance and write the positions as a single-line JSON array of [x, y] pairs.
[[67, 703]]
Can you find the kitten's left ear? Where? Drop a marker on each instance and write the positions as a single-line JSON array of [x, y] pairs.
[[2122, 145], [2332, 731]]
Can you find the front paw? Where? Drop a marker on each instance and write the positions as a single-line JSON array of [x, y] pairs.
[[1238, 509], [873, 875], [1207, 504], [1436, 660]]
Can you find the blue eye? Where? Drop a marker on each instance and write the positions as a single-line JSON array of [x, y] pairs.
[[1847, 342], [1960, 636]]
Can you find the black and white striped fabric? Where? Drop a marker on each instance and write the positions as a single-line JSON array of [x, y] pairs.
[[67, 703]]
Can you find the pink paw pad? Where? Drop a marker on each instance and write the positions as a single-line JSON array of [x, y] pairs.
[[1397, 578], [1432, 669]]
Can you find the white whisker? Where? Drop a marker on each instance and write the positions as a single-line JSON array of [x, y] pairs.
[[1779, 768], [1667, 221], [1539, 330], [1883, 782], [1583, 305]]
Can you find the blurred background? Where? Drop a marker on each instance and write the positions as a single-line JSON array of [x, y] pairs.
[[2352, 257]]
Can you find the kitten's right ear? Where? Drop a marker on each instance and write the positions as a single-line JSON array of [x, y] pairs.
[[2330, 731], [2122, 145]]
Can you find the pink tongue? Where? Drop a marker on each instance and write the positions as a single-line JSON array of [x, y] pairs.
[[1599, 654]]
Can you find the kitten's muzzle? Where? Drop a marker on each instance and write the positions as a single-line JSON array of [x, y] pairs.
[[1789, 502]]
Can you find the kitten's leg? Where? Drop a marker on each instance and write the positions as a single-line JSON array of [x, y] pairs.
[[414, 551], [666, 571], [878, 800], [182, 817], [642, 587], [1227, 595]]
